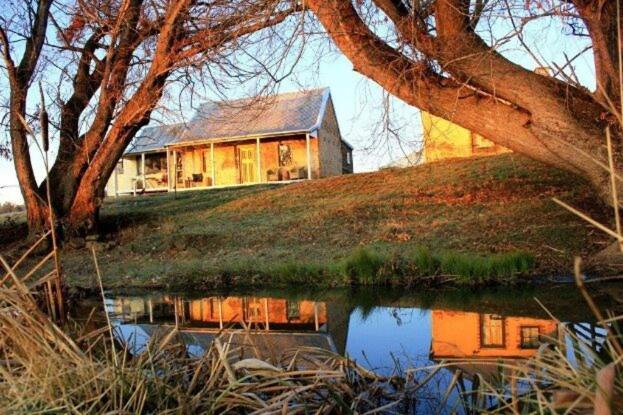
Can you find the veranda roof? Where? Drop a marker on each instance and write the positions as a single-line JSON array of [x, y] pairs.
[[154, 139]]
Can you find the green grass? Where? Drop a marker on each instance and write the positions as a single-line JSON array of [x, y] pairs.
[[372, 266], [464, 221]]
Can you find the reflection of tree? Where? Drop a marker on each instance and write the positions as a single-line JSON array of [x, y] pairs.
[[396, 316], [590, 335]]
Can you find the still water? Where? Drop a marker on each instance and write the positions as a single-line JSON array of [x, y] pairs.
[[387, 331]]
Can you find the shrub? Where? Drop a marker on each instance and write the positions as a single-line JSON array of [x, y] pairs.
[[365, 266]]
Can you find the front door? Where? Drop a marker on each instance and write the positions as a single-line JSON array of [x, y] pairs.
[[247, 164]]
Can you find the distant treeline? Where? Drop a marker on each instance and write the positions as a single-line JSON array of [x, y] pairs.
[[9, 207]]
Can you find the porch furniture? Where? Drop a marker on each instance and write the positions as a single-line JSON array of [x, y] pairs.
[[194, 180], [156, 180], [297, 173], [197, 178], [272, 175], [283, 174]]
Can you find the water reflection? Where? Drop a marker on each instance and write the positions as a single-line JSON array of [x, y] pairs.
[[460, 335], [378, 336], [386, 333], [271, 324]]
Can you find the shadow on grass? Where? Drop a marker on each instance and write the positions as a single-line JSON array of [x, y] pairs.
[[12, 231], [127, 211]]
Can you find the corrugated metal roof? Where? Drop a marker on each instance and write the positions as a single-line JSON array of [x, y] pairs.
[[152, 139], [284, 113]]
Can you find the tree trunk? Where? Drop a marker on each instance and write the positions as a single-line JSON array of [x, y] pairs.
[[534, 115], [20, 77], [36, 207]]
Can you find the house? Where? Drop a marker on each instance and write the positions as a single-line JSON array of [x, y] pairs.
[[442, 139], [267, 325], [461, 335], [287, 137]]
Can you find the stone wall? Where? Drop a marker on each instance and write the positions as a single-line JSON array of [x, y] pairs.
[[331, 157]]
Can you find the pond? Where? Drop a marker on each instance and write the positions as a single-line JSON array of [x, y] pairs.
[[385, 330]]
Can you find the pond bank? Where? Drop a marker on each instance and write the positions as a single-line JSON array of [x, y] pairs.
[[363, 267], [478, 222]]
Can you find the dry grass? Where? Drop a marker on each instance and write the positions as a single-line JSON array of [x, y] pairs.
[[48, 369]]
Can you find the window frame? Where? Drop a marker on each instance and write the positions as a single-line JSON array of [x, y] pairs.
[[522, 344], [482, 331]]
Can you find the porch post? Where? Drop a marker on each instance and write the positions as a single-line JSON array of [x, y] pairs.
[[316, 322], [168, 171], [143, 171], [151, 310], [117, 179], [212, 163], [259, 161], [307, 144], [220, 313], [175, 311], [174, 175]]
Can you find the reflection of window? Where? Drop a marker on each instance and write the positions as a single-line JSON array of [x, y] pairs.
[[492, 330], [252, 308], [120, 166], [529, 337], [292, 309]]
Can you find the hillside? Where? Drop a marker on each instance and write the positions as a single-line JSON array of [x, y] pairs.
[[482, 206]]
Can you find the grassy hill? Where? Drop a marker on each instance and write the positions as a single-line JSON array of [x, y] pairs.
[[462, 218]]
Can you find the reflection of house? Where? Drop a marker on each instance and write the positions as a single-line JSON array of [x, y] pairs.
[[444, 139], [288, 137], [458, 334], [288, 322], [269, 312]]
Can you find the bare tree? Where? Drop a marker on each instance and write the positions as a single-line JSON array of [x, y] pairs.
[[432, 55], [118, 57]]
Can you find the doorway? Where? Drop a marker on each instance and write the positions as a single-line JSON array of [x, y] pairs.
[[247, 164]]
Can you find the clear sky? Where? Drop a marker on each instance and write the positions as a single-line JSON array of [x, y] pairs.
[[360, 104]]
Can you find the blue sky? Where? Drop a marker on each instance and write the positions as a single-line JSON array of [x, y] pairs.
[[360, 103]]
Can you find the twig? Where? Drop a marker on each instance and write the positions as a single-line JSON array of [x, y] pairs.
[[101, 286], [613, 185], [589, 219]]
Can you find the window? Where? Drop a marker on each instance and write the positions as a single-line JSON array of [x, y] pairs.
[[348, 157], [292, 309], [530, 338], [120, 166], [155, 163], [492, 330]]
